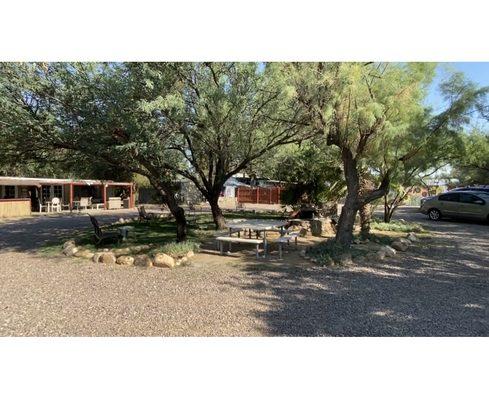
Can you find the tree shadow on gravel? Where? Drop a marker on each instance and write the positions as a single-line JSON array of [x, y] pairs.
[[30, 234], [433, 290]]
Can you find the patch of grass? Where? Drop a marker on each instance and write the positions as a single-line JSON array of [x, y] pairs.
[[397, 226], [50, 249], [155, 233], [175, 249], [160, 234]]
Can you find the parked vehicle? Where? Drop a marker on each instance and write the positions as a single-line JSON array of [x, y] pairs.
[[463, 204], [484, 189], [423, 199]]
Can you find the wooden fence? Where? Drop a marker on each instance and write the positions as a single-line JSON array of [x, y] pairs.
[[259, 195]]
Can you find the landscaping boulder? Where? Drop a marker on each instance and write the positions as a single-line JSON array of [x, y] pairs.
[[96, 257], [125, 260], [412, 237], [122, 251], [121, 220], [84, 253], [388, 250], [400, 245], [143, 260], [70, 250], [190, 254], [107, 258], [68, 243], [380, 255], [139, 248], [327, 226], [181, 261], [163, 260]]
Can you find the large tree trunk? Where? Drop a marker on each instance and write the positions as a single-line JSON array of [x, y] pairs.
[[355, 199], [344, 229], [168, 196], [387, 210], [217, 215], [365, 217], [180, 219]]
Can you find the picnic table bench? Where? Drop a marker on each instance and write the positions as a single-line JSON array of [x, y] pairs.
[[234, 239]]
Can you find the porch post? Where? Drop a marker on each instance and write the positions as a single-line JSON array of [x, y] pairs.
[[104, 195], [71, 196], [131, 196]]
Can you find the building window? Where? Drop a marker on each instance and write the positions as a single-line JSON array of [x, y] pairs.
[[58, 191], [46, 193], [9, 192], [23, 192]]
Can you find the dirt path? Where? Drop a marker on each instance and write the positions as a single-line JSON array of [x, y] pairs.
[[440, 289]]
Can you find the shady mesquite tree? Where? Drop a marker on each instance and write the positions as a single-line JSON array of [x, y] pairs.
[[202, 121], [356, 107], [369, 111], [431, 141], [230, 114], [61, 110]]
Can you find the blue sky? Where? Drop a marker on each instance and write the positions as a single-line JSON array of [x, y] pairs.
[[477, 72]]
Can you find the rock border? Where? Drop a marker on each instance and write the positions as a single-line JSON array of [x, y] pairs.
[[385, 251], [126, 256]]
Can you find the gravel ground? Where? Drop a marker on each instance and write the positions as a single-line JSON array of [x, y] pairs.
[[439, 289]]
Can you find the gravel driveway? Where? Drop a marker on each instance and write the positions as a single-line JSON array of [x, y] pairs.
[[441, 289]]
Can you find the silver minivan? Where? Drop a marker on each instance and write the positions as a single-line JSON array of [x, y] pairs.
[[473, 205]]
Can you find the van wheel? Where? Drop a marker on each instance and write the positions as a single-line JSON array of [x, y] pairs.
[[434, 214]]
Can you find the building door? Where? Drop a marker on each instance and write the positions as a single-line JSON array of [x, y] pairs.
[[34, 196]]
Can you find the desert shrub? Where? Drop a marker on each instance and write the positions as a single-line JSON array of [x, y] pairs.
[[331, 250], [396, 226], [175, 249]]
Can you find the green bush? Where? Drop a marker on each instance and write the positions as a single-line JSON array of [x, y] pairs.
[[178, 249], [396, 226]]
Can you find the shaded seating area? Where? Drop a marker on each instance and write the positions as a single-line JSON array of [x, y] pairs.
[[254, 232], [50, 195]]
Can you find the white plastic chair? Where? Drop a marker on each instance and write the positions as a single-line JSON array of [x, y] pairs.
[[84, 203], [55, 204]]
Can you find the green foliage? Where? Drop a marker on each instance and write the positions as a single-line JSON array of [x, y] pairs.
[[180, 249], [397, 226], [471, 166], [313, 173]]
